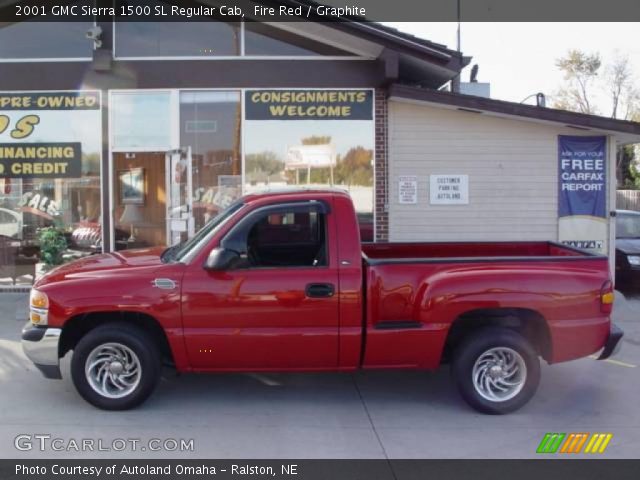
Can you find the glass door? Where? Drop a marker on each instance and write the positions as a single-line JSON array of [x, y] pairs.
[[180, 224]]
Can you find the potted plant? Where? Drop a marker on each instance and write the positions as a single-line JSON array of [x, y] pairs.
[[52, 246]]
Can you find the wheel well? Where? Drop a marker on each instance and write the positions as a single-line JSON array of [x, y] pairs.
[[77, 327], [529, 323]]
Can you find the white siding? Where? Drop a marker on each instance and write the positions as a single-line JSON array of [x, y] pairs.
[[512, 167]]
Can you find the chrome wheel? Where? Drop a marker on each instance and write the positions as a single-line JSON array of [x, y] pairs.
[[499, 374], [113, 370]]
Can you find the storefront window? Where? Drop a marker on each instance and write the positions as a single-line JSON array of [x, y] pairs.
[[210, 124], [50, 146], [51, 40], [141, 120], [284, 148], [263, 39], [176, 39]]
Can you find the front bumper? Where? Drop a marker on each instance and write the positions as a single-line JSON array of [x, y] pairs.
[[40, 345], [613, 342]]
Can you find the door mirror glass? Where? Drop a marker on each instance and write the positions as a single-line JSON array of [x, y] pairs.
[[222, 259]]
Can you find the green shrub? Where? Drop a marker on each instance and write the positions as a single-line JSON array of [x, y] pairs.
[[52, 245]]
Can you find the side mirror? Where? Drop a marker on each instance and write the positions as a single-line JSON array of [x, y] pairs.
[[220, 259]]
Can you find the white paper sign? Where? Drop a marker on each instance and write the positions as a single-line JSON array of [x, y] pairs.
[[408, 189], [178, 225], [449, 189]]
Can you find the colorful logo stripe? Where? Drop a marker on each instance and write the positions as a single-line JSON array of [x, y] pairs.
[[574, 442], [598, 443], [550, 442]]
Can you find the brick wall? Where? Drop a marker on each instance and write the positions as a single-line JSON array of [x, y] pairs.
[[381, 167]]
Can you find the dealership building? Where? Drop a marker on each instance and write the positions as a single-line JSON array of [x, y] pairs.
[[138, 135]]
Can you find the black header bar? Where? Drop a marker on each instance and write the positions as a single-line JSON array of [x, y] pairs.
[[326, 10]]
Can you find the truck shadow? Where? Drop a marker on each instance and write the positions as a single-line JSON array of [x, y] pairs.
[[317, 391]]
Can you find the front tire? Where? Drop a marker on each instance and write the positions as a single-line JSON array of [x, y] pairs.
[[496, 370], [115, 367]]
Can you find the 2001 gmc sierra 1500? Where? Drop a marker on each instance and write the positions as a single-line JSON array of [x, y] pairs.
[[281, 282]]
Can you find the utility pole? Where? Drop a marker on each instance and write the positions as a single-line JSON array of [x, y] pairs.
[[455, 83]]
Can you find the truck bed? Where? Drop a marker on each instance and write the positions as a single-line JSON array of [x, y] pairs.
[[416, 291], [378, 253]]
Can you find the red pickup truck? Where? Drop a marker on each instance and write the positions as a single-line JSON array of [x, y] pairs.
[[281, 282]]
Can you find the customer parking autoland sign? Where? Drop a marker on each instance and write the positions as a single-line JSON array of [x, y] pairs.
[[582, 192]]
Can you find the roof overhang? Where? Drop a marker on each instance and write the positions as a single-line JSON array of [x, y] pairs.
[[419, 61], [625, 132]]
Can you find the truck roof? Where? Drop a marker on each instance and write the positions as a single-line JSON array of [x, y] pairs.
[[293, 192]]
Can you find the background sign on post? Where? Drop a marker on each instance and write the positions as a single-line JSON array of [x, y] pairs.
[[408, 189], [582, 192], [449, 189]]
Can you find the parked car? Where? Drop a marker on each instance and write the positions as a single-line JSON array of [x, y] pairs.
[[627, 248], [10, 223], [281, 282], [87, 237]]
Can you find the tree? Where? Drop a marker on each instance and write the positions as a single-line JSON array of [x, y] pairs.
[[627, 172], [625, 98], [356, 167], [580, 72], [261, 166], [617, 83], [316, 140]]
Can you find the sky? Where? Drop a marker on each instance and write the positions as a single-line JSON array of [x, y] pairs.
[[518, 59], [276, 136]]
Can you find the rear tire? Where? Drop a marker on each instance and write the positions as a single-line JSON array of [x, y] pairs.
[[115, 366], [496, 370]]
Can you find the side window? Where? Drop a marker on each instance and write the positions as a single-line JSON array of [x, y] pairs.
[[288, 239]]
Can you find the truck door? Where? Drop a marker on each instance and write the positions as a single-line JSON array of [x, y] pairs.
[[278, 307]]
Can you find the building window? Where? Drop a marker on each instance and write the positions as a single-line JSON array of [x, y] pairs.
[[210, 123], [284, 148], [50, 151], [141, 120], [263, 39], [176, 39], [45, 40]]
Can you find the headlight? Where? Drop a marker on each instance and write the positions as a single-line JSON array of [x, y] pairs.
[[38, 307], [634, 260]]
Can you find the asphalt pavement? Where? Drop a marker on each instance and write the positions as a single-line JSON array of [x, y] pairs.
[[365, 415]]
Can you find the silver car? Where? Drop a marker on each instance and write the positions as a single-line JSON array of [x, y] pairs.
[[10, 223]]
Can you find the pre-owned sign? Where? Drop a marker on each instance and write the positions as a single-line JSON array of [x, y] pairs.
[[40, 160], [309, 105], [50, 101]]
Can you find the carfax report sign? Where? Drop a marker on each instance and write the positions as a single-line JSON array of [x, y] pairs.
[[42, 134], [582, 192]]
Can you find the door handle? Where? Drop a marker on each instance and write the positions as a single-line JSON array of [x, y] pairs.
[[319, 290]]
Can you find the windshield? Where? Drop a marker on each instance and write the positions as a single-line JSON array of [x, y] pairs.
[[179, 251], [627, 226]]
